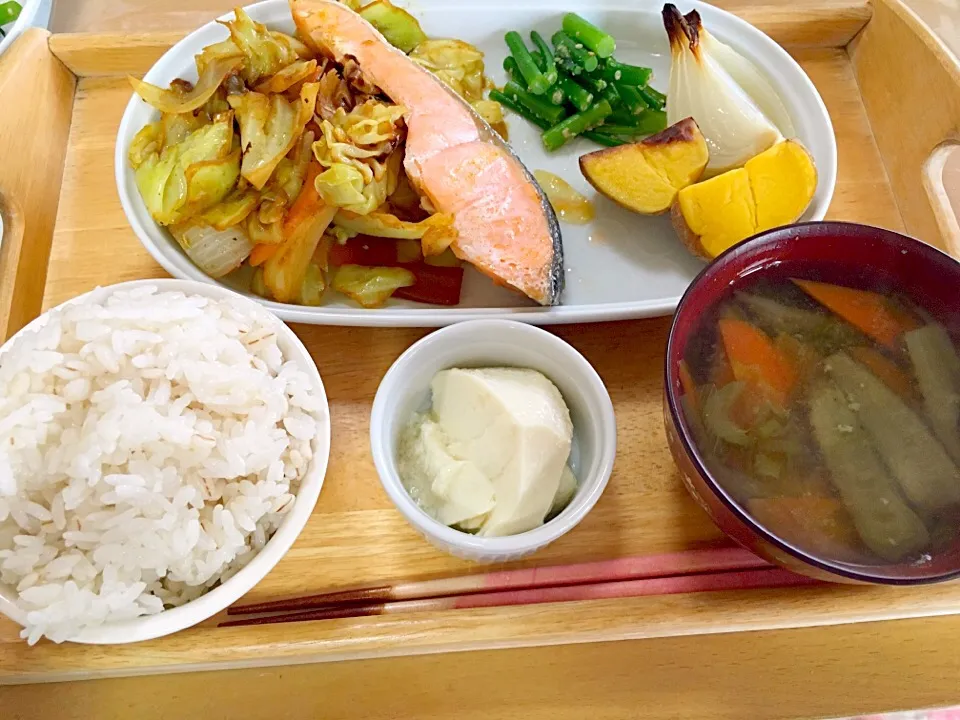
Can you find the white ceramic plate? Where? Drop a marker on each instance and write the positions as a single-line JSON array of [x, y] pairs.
[[620, 266]]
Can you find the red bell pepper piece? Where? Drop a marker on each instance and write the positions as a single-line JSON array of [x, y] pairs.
[[435, 285], [364, 250]]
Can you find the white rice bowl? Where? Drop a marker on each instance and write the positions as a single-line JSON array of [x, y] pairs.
[[154, 437]]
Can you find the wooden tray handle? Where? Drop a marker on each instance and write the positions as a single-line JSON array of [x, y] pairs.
[[36, 94], [941, 180], [910, 84]]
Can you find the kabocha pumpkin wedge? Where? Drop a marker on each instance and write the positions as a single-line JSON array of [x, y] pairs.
[[505, 225], [646, 176], [772, 189]]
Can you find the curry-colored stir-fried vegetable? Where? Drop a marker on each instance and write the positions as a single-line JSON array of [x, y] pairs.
[[832, 414], [276, 156]]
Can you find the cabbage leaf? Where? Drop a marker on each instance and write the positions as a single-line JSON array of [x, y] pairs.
[[269, 127], [265, 52]]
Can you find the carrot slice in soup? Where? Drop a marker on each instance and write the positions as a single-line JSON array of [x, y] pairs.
[[756, 361], [886, 371], [819, 524], [801, 355], [720, 371], [867, 311]]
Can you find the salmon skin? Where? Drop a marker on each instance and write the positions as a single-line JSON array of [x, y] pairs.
[[505, 225]]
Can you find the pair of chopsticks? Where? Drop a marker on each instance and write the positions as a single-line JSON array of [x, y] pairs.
[[728, 568]]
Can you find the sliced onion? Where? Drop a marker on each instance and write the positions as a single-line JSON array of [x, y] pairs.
[[288, 77], [172, 101], [570, 205], [750, 78], [216, 252], [733, 125]]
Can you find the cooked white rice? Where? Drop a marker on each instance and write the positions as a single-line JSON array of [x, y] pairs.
[[149, 447]]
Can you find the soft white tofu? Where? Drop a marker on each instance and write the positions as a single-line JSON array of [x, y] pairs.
[[514, 427], [454, 491], [566, 491]]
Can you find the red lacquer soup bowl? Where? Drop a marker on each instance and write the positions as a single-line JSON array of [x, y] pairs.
[[843, 253]]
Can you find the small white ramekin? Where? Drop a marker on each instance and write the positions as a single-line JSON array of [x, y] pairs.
[[405, 390]]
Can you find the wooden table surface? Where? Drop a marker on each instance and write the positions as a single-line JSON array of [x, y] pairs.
[[810, 672]]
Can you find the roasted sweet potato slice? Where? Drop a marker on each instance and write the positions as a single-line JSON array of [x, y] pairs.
[[646, 176], [772, 189]]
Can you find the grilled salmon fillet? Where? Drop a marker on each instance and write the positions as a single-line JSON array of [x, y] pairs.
[[505, 226]]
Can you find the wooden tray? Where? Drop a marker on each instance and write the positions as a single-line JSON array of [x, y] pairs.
[[894, 95]]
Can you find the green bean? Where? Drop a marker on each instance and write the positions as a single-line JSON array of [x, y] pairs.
[[593, 83], [654, 100], [624, 131], [621, 116], [624, 74], [536, 81], [619, 130], [632, 100], [548, 66], [607, 140], [651, 121], [611, 95], [601, 139], [577, 95], [538, 106], [656, 94], [513, 71], [589, 34], [623, 123], [554, 93], [519, 109], [568, 66], [567, 47], [576, 124]]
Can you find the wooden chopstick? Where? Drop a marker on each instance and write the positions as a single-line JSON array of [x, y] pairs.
[[706, 582], [627, 568]]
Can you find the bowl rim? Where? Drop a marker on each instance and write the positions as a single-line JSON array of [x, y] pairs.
[[167, 622], [797, 231], [590, 488]]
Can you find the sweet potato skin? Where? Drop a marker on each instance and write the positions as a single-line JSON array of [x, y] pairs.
[[689, 238], [644, 177]]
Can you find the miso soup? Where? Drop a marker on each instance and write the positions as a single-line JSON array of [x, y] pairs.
[[830, 414]]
